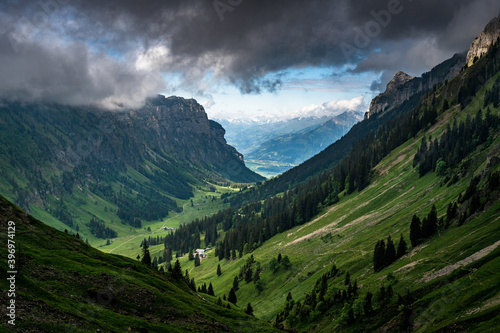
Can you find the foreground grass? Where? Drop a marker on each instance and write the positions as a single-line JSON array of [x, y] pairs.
[[65, 285]]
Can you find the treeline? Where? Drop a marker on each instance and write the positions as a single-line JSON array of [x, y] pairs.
[[149, 207], [99, 229], [153, 240], [457, 141], [426, 229], [492, 96]]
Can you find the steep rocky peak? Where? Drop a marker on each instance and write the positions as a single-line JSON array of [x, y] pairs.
[[482, 43], [403, 86], [398, 80]]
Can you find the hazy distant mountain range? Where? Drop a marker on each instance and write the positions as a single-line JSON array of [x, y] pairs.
[[274, 147]]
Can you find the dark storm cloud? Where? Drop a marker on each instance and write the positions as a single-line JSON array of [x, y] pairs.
[[249, 43]]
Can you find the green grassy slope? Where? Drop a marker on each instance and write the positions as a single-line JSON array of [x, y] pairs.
[[64, 285], [466, 298]]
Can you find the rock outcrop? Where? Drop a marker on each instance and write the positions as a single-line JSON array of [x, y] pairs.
[[181, 127], [483, 42], [403, 86]]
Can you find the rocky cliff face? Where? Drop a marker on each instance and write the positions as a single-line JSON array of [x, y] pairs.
[[403, 86], [482, 43], [181, 127], [170, 141], [395, 93]]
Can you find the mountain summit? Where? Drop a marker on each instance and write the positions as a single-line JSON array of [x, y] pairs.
[[483, 42], [403, 86]]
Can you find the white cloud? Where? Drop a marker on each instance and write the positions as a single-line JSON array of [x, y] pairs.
[[327, 109]]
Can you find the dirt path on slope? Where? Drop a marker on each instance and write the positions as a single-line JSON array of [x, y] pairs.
[[470, 259]]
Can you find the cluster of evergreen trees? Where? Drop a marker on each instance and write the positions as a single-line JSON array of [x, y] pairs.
[[385, 252], [492, 96], [187, 236], [99, 229], [207, 290], [276, 263], [153, 240], [152, 206], [456, 142], [345, 301], [425, 229]]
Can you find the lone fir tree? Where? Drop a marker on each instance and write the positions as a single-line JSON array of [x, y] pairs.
[[249, 309], [232, 296], [146, 257]]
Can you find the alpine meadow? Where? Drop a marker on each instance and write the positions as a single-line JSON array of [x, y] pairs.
[[295, 188]]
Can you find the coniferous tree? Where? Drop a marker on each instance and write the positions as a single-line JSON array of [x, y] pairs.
[[402, 247], [197, 260], [350, 316], [235, 283], [219, 271], [285, 262], [432, 221], [390, 252], [210, 290], [379, 253], [368, 308], [377, 262], [279, 258], [177, 270], [249, 310], [146, 257], [232, 296], [347, 279], [248, 275], [190, 255], [415, 231], [256, 276], [451, 212], [429, 228]]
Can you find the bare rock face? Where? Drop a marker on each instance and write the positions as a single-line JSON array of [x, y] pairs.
[[483, 42], [399, 79], [403, 86], [395, 93]]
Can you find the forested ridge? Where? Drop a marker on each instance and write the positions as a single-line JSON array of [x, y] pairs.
[[248, 227]]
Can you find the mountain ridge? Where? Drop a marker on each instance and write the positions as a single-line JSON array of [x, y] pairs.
[[402, 87], [59, 158]]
